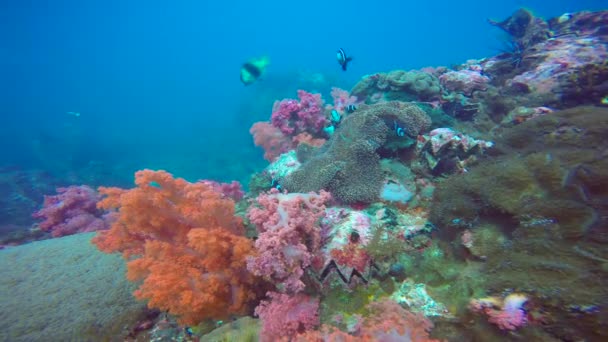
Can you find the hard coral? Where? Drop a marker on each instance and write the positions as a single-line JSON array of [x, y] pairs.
[[184, 242], [423, 86], [348, 164], [397, 85]]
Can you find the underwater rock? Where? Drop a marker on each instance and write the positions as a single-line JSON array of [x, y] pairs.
[[397, 270], [570, 70], [285, 164], [521, 114], [584, 23], [21, 194], [417, 299], [395, 192], [566, 70], [525, 29], [465, 81]]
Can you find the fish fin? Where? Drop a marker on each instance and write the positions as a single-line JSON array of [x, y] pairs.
[[345, 64]]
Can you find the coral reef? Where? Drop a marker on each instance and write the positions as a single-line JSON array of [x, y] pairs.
[[549, 205], [474, 195]]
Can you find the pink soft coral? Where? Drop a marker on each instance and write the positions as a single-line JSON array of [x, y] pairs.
[[233, 190], [271, 139], [285, 316], [289, 236], [342, 99], [507, 314]]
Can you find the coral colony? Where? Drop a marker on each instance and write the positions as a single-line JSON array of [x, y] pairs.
[[464, 203]]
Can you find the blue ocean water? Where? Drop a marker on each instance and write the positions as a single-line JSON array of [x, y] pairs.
[[473, 196], [156, 83]]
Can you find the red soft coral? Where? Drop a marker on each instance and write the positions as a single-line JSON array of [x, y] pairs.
[[271, 139], [191, 248]]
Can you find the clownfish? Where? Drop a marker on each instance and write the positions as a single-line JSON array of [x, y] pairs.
[[398, 129]]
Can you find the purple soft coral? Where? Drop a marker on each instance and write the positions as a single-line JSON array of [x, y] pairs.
[[306, 116], [73, 210]]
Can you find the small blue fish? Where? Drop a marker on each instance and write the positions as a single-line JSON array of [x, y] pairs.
[[343, 59], [398, 129], [335, 117], [351, 108]]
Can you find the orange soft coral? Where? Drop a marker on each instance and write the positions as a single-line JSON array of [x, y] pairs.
[[191, 248], [162, 208]]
